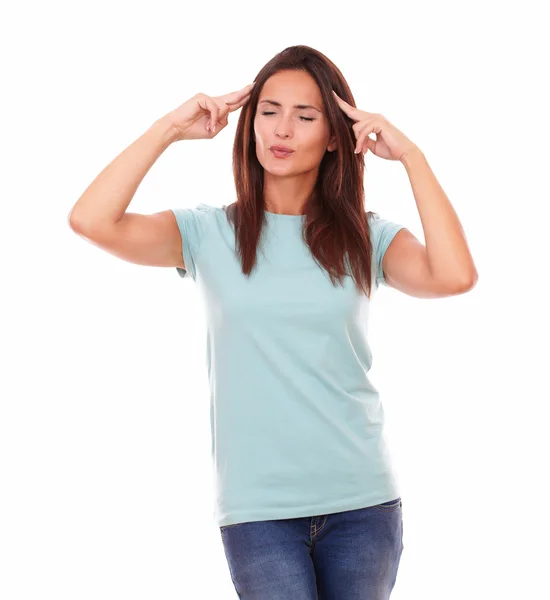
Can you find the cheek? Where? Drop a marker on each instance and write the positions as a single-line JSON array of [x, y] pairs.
[[259, 135], [316, 145]]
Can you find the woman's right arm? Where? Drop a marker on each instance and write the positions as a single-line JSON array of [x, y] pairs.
[[100, 214]]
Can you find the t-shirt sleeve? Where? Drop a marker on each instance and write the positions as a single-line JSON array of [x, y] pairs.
[[382, 233], [193, 224]]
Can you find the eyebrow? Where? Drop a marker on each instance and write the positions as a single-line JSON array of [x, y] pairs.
[[295, 106]]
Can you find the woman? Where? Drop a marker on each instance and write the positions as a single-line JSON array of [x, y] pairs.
[[307, 503]]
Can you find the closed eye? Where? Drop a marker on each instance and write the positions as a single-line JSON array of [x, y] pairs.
[[305, 118]]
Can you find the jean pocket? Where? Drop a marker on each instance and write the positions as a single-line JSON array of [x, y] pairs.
[[390, 505]]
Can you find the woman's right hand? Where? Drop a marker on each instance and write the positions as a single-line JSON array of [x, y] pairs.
[[203, 117]]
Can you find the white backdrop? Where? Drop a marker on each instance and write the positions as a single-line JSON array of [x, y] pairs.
[[105, 464]]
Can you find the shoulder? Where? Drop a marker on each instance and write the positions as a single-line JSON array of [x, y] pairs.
[[198, 216], [194, 222], [375, 220], [200, 211], [199, 221], [381, 227], [197, 224]]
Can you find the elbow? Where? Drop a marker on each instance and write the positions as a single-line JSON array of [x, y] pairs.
[[454, 287], [71, 220], [76, 224], [467, 283]]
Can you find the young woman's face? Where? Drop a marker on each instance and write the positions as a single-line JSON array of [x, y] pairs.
[[306, 131]]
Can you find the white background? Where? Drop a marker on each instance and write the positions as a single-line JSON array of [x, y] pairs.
[[105, 467]]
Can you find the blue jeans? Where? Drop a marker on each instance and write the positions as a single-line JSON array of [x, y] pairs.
[[350, 555]]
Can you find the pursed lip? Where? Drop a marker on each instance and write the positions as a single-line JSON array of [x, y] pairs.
[[282, 149]]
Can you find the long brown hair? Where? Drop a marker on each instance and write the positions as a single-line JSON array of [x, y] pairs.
[[336, 224]]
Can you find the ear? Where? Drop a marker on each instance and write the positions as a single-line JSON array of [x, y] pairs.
[[332, 144]]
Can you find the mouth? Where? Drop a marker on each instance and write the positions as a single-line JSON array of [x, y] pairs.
[[280, 153]]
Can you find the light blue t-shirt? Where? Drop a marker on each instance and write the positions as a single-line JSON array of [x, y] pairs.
[[296, 425]]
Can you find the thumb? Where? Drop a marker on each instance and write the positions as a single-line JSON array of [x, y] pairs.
[[371, 144], [224, 114]]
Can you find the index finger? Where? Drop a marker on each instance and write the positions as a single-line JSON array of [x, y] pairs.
[[235, 97], [347, 108]]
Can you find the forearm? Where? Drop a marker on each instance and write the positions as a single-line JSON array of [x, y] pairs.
[[448, 254], [106, 199]]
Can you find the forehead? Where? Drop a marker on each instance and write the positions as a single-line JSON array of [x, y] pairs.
[[292, 89]]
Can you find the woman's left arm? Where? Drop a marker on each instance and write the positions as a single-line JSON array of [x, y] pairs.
[[444, 266], [447, 254]]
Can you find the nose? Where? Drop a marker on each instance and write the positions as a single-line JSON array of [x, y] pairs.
[[283, 128]]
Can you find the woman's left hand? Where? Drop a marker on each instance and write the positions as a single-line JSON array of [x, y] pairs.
[[390, 143]]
